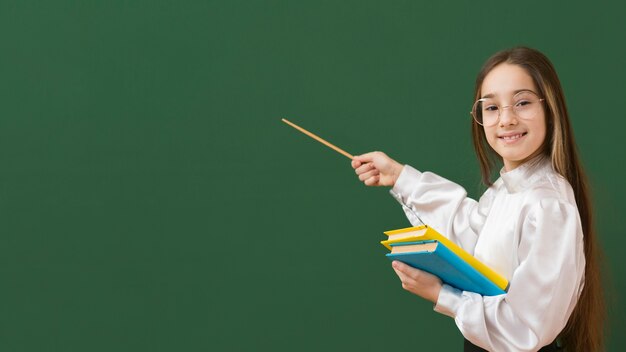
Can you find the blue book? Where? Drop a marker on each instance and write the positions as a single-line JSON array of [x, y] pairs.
[[437, 259]]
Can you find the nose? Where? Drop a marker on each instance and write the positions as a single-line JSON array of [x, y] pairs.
[[507, 116]]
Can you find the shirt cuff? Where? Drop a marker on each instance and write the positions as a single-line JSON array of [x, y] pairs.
[[449, 301], [405, 181]]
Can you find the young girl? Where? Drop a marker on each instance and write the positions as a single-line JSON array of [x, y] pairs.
[[533, 224]]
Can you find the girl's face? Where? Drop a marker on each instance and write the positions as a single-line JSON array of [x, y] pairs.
[[515, 139]]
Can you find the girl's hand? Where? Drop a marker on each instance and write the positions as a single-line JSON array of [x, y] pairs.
[[417, 281], [376, 169]]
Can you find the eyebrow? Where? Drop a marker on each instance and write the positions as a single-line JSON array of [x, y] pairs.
[[491, 95]]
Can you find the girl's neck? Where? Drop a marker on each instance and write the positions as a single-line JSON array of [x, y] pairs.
[[530, 161]]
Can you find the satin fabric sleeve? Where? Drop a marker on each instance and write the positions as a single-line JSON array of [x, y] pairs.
[[442, 204], [543, 290]]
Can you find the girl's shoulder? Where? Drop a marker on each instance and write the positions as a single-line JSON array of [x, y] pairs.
[[549, 189]]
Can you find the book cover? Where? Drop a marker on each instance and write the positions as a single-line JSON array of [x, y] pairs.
[[435, 258], [424, 232]]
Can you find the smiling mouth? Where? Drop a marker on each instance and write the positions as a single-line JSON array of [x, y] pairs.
[[513, 137]]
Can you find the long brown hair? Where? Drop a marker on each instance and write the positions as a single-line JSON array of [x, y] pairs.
[[585, 328]]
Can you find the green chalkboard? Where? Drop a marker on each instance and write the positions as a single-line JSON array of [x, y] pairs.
[[152, 200]]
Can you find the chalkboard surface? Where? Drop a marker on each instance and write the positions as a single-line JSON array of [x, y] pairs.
[[151, 199]]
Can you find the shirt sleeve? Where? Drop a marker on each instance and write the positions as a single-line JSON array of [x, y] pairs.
[[543, 290], [442, 204]]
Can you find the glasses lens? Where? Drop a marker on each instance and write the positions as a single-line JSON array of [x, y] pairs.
[[485, 112], [526, 105]]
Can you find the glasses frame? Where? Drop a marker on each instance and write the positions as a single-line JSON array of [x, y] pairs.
[[501, 108]]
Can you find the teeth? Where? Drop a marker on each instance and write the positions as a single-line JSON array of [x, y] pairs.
[[510, 138]]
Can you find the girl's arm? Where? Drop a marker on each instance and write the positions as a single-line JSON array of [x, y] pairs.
[[544, 288], [442, 204]]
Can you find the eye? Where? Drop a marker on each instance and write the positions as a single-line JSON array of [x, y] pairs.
[[490, 108], [522, 103]]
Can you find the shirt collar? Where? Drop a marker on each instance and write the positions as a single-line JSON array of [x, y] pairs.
[[524, 175]]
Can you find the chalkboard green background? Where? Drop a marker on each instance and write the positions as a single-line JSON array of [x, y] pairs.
[[151, 199]]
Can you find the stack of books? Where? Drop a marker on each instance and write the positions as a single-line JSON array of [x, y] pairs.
[[424, 248]]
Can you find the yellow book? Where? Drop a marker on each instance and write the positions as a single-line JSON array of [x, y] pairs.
[[424, 232]]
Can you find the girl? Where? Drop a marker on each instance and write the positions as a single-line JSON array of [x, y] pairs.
[[533, 224]]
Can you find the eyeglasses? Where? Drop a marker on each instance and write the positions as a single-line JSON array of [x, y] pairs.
[[526, 105]]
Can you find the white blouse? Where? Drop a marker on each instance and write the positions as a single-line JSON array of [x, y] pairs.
[[526, 227]]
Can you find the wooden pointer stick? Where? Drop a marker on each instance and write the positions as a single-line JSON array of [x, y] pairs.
[[319, 139]]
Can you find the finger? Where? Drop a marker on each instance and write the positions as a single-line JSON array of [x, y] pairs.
[[364, 168], [365, 158], [407, 282], [355, 163], [400, 266], [402, 276], [407, 270], [372, 181], [369, 174], [416, 276]]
